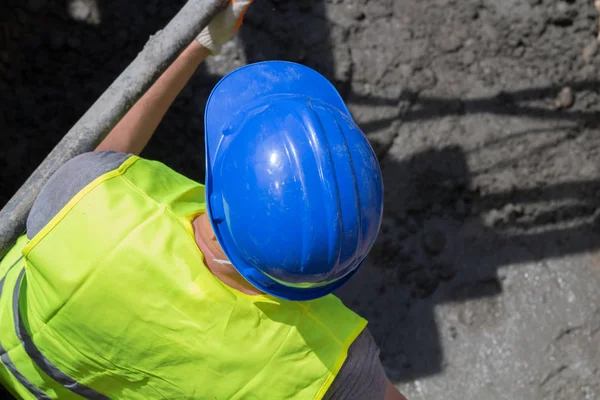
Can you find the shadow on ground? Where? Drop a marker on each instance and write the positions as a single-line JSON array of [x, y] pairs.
[[439, 245], [513, 103], [52, 68]]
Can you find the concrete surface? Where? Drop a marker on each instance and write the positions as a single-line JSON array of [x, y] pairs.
[[484, 283]]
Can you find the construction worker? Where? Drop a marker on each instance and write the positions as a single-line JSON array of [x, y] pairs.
[[134, 282]]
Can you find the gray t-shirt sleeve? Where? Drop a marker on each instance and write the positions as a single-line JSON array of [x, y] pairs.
[[73, 176], [362, 376]]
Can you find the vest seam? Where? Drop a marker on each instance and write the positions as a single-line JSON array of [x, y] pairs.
[[340, 361], [156, 202], [344, 344], [306, 309]]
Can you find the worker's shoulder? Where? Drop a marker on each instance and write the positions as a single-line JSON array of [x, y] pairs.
[[67, 181], [94, 163], [76, 173]]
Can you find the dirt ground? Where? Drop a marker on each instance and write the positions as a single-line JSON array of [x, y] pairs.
[[484, 282]]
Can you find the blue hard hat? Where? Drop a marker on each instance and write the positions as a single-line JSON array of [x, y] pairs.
[[293, 187]]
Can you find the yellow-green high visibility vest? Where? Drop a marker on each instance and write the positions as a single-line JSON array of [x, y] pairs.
[[112, 300]]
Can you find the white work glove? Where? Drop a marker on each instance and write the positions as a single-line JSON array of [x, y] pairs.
[[222, 28]]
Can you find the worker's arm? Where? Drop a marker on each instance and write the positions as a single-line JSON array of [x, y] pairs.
[[132, 133], [135, 129], [391, 393]]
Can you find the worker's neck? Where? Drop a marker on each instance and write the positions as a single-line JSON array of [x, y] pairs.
[[214, 257]]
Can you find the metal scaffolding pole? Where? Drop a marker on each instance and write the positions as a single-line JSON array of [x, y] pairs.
[[160, 51]]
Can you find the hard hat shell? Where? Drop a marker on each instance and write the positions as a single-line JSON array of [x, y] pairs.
[[294, 189]]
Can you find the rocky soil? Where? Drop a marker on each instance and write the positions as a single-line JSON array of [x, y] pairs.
[[484, 283]]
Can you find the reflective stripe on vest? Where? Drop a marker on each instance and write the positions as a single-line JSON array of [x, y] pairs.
[[19, 377], [40, 360], [31, 349], [5, 359], [117, 295]]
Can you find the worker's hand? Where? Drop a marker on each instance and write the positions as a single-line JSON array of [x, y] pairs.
[[222, 28]]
